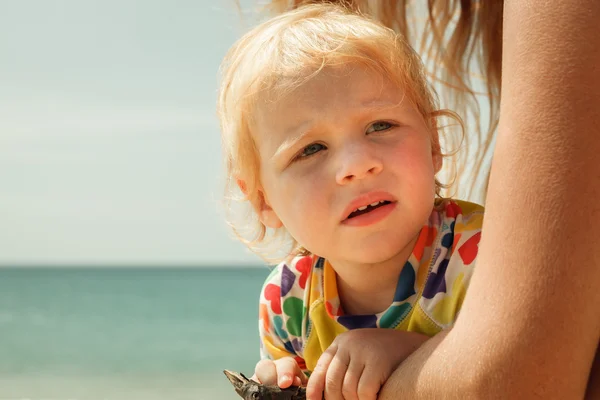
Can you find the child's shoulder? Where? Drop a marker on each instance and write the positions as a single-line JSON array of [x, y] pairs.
[[460, 234], [455, 208], [289, 278], [452, 261], [463, 216]]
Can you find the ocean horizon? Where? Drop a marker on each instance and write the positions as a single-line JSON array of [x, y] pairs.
[[91, 333]]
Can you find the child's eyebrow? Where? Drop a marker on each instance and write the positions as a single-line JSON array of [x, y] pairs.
[[299, 132], [379, 104], [293, 136]]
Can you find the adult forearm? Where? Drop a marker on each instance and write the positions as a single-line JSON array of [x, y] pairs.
[[430, 372], [529, 325]]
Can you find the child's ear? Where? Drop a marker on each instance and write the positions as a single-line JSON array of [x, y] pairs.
[[266, 214], [261, 205], [242, 185]]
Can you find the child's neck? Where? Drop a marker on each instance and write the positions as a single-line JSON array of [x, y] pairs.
[[370, 288]]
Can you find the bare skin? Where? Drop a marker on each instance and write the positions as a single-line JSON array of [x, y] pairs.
[[365, 358], [529, 326]]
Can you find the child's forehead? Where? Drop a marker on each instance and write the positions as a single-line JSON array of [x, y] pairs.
[[368, 86], [333, 95]]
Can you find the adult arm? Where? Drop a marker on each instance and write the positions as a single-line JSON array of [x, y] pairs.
[[530, 323]]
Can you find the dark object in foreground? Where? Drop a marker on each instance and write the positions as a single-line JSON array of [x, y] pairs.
[[250, 390]]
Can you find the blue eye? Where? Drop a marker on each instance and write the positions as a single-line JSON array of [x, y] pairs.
[[312, 149], [379, 126]]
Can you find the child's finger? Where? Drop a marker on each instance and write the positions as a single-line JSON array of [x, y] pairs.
[[287, 370], [316, 383], [265, 372], [301, 376], [335, 376], [351, 378], [369, 384]]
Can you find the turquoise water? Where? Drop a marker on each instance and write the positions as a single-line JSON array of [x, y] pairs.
[[126, 333]]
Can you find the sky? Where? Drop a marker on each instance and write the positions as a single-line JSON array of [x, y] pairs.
[[110, 149], [109, 144]]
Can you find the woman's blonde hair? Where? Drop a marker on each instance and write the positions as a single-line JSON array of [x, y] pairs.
[[280, 55], [454, 36]]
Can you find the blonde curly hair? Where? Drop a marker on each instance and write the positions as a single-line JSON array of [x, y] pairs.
[[277, 57]]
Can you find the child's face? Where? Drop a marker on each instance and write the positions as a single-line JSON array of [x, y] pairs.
[[344, 140]]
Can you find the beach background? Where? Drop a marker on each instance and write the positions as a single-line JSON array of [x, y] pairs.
[[119, 278], [126, 333]]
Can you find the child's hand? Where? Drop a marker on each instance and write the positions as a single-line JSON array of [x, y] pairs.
[[358, 363], [284, 372]]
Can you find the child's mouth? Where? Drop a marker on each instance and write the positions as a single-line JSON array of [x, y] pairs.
[[366, 209]]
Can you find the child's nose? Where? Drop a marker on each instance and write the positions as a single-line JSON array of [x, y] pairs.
[[357, 163]]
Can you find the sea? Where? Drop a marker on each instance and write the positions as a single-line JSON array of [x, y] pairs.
[[126, 333]]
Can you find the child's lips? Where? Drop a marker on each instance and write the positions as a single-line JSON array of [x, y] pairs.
[[371, 217], [363, 201]]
